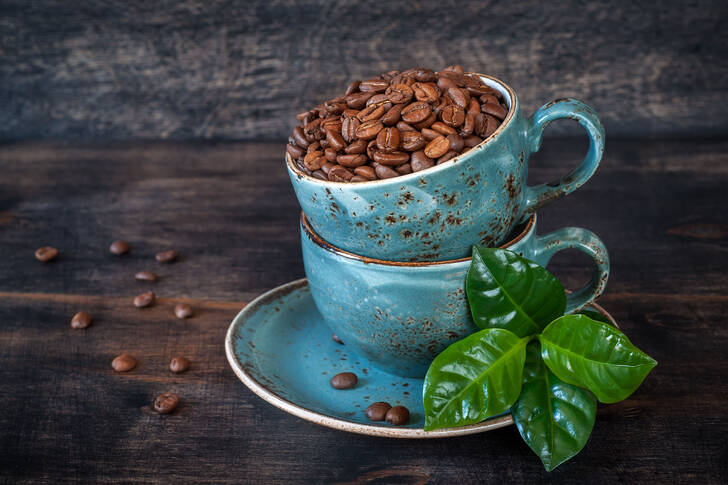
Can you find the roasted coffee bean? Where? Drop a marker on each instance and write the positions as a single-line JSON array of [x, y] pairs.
[[481, 123], [335, 106], [351, 161], [422, 74], [402, 127], [399, 93], [494, 110], [416, 112], [371, 147], [388, 139], [377, 411], [80, 320], [306, 116], [326, 167], [302, 167], [357, 100], [473, 106], [352, 88], [319, 174], [182, 311], [369, 129], [472, 141], [166, 403], [443, 129], [412, 141], [455, 68], [330, 155], [392, 115], [335, 140], [349, 127], [146, 276], [331, 124], [344, 380], [469, 124], [391, 159], [315, 146], [312, 130], [404, 169], [119, 247], [337, 173], [456, 142], [447, 157], [144, 300], [425, 92], [46, 253], [489, 98], [444, 83], [336, 339], [380, 99], [179, 364], [300, 138], [460, 97], [295, 151], [384, 172], [358, 178], [356, 147], [427, 122], [398, 415], [437, 147], [366, 171], [490, 126], [389, 75], [314, 160], [419, 161], [123, 363], [168, 256], [376, 85], [452, 115], [372, 112], [429, 134]]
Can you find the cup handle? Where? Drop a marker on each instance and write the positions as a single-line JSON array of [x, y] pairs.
[[538, 196], [586, 242]]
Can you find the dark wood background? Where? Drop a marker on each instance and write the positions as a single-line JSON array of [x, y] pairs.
[[101, 69], [65, 417]]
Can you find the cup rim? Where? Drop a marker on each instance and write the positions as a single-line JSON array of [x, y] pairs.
[[402, 178], [325, 245]]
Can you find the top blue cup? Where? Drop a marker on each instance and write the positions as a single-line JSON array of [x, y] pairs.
[[439, 213]]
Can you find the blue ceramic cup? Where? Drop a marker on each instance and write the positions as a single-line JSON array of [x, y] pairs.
[[401, 315], [439, 213]]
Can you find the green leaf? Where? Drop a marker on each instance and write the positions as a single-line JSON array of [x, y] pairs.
[[554, 418], [595, 315], [474, 378], [508, 291], [594, 355]]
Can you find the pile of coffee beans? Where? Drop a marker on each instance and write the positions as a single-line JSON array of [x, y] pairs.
[[395, 124]]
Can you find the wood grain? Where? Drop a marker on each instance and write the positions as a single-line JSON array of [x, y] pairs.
[[66, 417], [241, 70]]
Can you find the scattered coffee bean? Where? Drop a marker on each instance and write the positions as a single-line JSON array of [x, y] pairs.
[[123, 363], [344, 380], [144, 300], [370, 132], [80, 320], [119, 247], [377, 411], [182, 310], [166, 403], [167, 256], [146, 276], [179, 364], [336, 339], [46, 253], [398, 415]]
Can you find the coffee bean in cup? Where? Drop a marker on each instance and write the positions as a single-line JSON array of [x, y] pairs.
[[395, 124]]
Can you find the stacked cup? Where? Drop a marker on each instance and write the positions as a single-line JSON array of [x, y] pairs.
[[386, 259]]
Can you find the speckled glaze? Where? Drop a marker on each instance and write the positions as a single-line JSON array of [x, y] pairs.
[[401, 315], [281, 349], [439, 213]]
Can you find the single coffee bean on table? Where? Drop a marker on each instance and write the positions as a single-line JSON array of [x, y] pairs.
[[182, 310], [119, 247], [167, 256], [46, 253], [377, 411], [166, 403], [344, 380], [80, 320], [146, 276], [179, 364], [144, 300], [395, 124], [398, 415], [123, 363]]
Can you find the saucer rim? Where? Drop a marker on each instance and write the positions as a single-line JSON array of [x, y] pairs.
[[330, 421]]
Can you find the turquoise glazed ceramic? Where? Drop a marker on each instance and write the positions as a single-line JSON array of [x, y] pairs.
[[439, 213], [280, 347], [401, 315]]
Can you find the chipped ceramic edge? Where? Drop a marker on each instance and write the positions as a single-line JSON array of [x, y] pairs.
[[337, 423]]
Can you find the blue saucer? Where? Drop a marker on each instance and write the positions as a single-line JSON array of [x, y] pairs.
[[280, 347]]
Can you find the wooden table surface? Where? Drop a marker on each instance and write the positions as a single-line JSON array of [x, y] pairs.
[[65, 417]]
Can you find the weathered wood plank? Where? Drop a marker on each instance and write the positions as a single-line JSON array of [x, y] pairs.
[[217, 69]]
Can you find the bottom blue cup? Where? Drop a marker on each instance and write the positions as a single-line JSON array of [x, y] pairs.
[[400, 315]]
